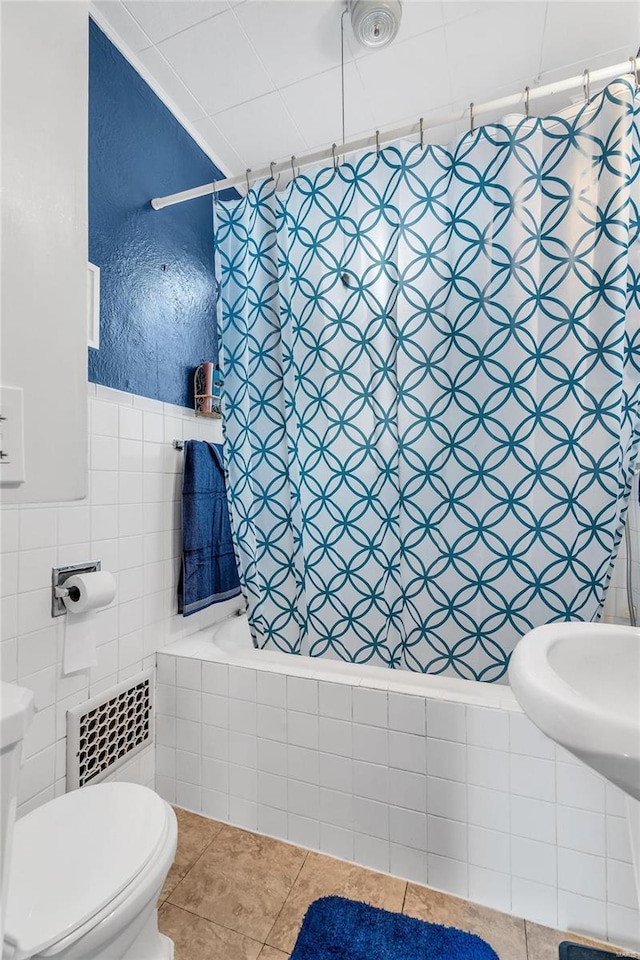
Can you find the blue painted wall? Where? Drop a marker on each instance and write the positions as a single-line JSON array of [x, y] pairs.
[[157, 285]]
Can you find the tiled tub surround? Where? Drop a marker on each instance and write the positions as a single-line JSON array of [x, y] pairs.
[[131, 522], [440, 781]]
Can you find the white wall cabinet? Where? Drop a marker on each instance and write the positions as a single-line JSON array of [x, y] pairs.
[[43, 323]]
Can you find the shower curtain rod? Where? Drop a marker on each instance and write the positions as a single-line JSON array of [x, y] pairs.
[[401, 133]]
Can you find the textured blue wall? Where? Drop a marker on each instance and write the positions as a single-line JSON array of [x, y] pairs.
[[157, 285]]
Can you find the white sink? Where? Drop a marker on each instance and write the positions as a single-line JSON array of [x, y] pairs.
[[580, 684]]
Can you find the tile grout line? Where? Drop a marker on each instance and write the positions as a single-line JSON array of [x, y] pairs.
[[197, 860], [404, 896], [306, 856], [215, 923]]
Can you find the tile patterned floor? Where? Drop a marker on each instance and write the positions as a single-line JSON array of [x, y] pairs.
[[235, 895]]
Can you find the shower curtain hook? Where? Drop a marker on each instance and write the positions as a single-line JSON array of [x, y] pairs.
[[377, 143], [586, 86], [634, 70], [526, 101], [246, 176], [333, 154], [293, 169], [215, 192], [274, 180], [471, 119], [422, 133]]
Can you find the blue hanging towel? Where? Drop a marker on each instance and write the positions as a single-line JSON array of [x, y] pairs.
[[209, 572]]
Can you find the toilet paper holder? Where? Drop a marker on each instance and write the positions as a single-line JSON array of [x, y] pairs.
[[59, 575]]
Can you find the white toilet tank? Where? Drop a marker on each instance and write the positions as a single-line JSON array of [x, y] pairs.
[[16, 713]]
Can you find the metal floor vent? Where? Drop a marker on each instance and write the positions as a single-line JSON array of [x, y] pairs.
[[108, 730]]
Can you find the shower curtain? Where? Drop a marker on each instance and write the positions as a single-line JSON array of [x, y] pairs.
[[432, 369]]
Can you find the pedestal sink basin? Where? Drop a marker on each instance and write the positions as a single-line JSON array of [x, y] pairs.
[[580, 684]]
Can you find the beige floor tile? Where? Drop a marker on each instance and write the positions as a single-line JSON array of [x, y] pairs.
[[241, 881], [505, 933], [199, 939], [542, 942], [323, 876], [270, 953], [195, 833]]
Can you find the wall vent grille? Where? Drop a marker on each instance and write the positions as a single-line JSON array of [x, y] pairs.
[[107, 731]]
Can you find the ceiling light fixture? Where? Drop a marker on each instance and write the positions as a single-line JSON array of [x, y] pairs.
[[375, 23]]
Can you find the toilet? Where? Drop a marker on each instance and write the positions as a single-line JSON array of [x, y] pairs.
[[85, 873]]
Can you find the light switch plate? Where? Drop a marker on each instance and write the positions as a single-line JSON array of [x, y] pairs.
[[11, 436]]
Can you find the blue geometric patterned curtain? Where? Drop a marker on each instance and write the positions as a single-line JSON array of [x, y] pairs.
[[432, 370]]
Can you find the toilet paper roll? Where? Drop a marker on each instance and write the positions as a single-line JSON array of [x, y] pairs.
[[89, 591]]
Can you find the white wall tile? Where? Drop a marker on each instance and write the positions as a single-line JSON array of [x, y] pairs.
[[272, 689], [581, 830], [370, 707], [618, 839], [303, 764], [272, 722], [335, 736], [242, 683], [407, 714], [446, 721], [371, 852], [491, 888], [533, 819], [408, 863], [302, 695], [526, 739], [371, 744], [446, 759], [407, 752], [447, 838], [536, 901], [579, 787], [447, 798], [488, 728], [532, 777], [38, 528], [408, 790], [336, 841], [576, 912], [337, 808], [489, 849], [335, 700], [335, 772], [621, 885], [532, 860], [452, 876], [371, 780], [272, 757], [488, 768]]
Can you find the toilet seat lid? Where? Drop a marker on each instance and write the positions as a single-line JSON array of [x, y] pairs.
[[74, 855]]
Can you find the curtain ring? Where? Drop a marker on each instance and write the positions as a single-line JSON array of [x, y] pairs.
[[634, 70], [526, 101], [333, 154], [471, 118], [586, 85], [271, 166], [293, 169], [422, 133], [377, 143], [246, 176]]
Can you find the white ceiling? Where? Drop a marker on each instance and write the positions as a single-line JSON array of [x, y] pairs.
[[259, 80]]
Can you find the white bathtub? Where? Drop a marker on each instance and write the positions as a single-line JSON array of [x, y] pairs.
[[230, 642], [434, 779]]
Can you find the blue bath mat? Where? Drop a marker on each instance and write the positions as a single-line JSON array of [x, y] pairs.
[[339, 929]]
